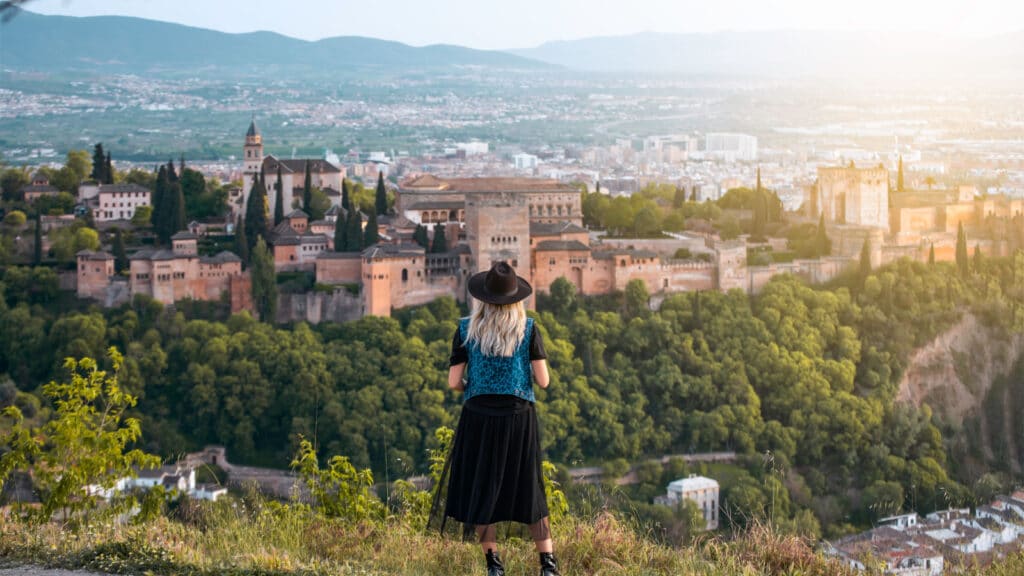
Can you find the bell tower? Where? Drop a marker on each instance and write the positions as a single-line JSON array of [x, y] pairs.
[[253, 149]]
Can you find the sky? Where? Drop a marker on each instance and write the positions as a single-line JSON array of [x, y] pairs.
[[505, 24]]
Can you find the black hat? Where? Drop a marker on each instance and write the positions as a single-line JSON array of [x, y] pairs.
[[499, 285]]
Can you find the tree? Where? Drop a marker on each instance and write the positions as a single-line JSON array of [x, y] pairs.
[[142, 217], [256, 225], [99, 164], [279, 197], [354, 231], [120, 256], [264, 282], [66, 242], [241, 242], [307, 191], [931, 254], [961, 251], [179, 222], [562, 296], [381, 200], [15, 219], [37, 244], [693, 194], [340, 490], [421, 236], [637, 301], [865, 261], [346, 201], [899, 175], [341, 234], [193, 186], [680, 197], [371, 235], [822, 243], [85, 442], [440, 242], [976, 262], [159, 216], [108, 172], [12, 181]]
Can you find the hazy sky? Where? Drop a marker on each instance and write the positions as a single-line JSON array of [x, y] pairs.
[[527, 23]]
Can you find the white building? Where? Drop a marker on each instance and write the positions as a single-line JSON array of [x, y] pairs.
[[525, 161], [119, 201], [730, 147], [473, 148], [702, 490]]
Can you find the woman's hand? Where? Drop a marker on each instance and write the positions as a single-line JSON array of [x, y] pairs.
[[540, 373], [455, 377]]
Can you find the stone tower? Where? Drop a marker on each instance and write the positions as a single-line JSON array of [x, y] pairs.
[[253, 150], [498, 228]]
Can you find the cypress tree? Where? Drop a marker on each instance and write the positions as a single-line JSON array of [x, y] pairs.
[[346, 202], [420, 236], [370, 235], [158, 200], [822, 243], [264, 282], [109, 170], [99, 164], [120, 256], [241, 242], [307, 191], [382, 194], [256, 213], [865, 261], [961, 251], [354, 232], [976, 263], [180, 217], [680, 198], [693, 194], [172, 176], [899, 175], [37, 250], [931, 254], [278, 198], [440, 242], [341, 234]]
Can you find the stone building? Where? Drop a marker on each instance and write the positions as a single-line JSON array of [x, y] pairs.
[[120, 201], [323, 174], [428, 199], [39, 187], [701, 490], [849, 195], [94, 272], [171, 275]]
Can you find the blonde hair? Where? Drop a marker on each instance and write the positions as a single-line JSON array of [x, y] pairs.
[[498, 329]]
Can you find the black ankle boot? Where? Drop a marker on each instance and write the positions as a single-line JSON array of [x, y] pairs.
[[494, 567], [548, 566]]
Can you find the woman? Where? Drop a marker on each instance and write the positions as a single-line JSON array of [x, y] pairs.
[[494, 472]]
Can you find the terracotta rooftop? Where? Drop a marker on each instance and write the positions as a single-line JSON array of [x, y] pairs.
[[298, 165], [555, 228], [430, 181]]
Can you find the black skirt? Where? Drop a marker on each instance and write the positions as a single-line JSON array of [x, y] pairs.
[[493, 473]]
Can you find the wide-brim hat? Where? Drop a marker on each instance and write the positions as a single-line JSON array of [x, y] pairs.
[[499, 285]]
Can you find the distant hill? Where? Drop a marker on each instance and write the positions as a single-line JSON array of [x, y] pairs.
[[117, 44], [788, 53]]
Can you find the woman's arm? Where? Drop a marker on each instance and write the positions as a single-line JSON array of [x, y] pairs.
[[455, 377], [540, 372]]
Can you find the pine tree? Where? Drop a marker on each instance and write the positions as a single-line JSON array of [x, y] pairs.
[[264, 282], [899, 175], [241, 242], [346, 202], [961, 251], [120, 256], [256, 213], [370, 235], [420, 236], [99, 164], [109, 170], [382, 194], [37, 250], [354, 232], [307, 191], [931, 254], [278, 198], [440, 242], [865, 261], [822, 243], [341, 234]]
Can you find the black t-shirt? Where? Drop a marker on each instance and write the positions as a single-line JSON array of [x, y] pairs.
[[460, 355]]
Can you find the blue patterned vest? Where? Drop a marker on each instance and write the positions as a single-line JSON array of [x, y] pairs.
[[499, 374]]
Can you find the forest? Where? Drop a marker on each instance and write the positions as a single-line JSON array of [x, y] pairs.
[[799, 380]]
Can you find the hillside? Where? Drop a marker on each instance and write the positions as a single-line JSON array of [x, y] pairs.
[[789, 53], [116, 44]]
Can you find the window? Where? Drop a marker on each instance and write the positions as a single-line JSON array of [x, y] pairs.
[[551, 262], [405, 275]]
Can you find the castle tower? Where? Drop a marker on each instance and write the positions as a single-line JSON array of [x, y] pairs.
[[253, 150], [376, 283], [498, 228]]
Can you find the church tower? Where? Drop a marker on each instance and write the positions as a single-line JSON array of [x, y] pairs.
[[253, 149]]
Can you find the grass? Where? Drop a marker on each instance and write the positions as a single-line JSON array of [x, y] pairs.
[[249, 537]]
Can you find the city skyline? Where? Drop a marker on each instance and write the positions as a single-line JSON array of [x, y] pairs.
[[532, 23]]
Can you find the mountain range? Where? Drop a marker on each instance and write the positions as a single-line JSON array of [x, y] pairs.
[[118, 44]]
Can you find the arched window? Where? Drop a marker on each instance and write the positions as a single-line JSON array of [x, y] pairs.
[[405, 275]]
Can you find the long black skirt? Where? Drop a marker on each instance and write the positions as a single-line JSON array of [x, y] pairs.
[[493, 474]]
